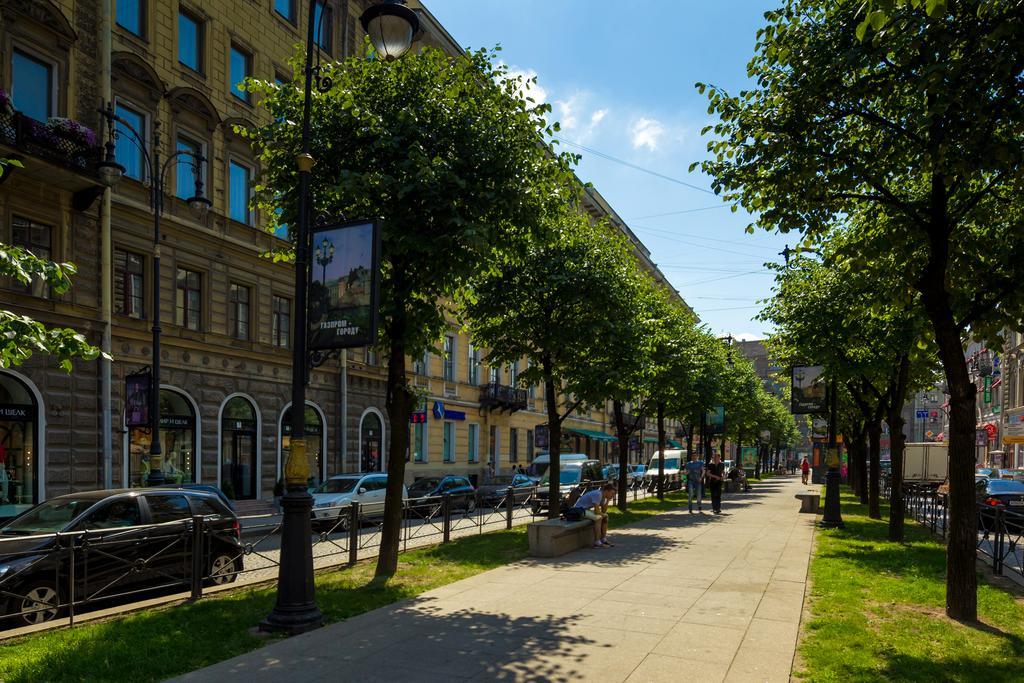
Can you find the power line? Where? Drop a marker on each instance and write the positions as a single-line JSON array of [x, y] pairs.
[[678, 213], [733, 308], [656, 174], [727, 277], [659, 232], [670, 266], [724, 298]]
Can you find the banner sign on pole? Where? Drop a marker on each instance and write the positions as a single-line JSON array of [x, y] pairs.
[[138, 393], [344, 285], [809, 390], [716, 420]]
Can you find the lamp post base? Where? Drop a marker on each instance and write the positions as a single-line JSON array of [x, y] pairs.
[[832, 517], [295, 610]]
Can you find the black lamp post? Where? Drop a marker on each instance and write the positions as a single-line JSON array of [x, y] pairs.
[[111, 172], [391, 27], [728, 359]]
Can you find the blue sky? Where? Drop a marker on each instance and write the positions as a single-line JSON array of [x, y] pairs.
[[620, 77]]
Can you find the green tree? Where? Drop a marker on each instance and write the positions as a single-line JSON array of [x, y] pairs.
[[918, 118], [451, 158], [559, 303]]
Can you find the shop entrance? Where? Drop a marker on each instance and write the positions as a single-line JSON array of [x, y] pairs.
[[18, 438], [239, 466]]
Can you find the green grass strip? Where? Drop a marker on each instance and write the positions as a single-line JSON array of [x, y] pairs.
[[172, 640], [877, 611]]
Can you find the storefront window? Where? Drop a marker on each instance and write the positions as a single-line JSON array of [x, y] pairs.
[[370, 436], [314, 442], [177, 437], [18, 438]]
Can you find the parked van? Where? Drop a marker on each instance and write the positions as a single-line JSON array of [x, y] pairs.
[[674, 460], [539, 467], [926, 462], [575, 479]]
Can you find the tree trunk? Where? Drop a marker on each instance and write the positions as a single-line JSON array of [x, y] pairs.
[[689, 442], [661, 450], [875, 462], [554, 446], [862, 465], [856, 474], [961, 580], [897, 440], [622, 433], [399, 407]]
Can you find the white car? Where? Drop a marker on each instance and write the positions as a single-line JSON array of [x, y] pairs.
[[673, 462], [332, 500]]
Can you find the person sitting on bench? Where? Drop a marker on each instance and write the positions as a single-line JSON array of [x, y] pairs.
[[594, 505]]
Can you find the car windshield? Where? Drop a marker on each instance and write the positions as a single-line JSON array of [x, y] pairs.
[[337, 485], [1005, 486], [48, 517], [424, 485], [670, 464], [983, 471], [566, 476]]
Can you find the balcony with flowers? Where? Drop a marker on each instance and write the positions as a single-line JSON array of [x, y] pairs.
[[63, 142]]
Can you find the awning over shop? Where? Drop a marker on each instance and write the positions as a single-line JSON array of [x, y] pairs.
[[591, 434], [671, 443]]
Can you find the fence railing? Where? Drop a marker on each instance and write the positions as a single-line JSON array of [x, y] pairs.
[[53, 579]]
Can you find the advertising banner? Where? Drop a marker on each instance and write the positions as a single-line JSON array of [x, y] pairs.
[[343, 293], [748, 457], [716, 420], [809, 390], [1013, 430], [138, 394]]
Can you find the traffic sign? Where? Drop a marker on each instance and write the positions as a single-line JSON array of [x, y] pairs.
[[921, 414]]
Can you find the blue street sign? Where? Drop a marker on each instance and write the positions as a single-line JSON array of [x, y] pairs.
[[922, 414]]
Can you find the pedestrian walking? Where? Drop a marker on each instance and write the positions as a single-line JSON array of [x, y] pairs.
[[694, 483], [715, 476], [594, 505], [805, 470]]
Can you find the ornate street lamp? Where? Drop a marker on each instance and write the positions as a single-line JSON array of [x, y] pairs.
[[110, 173], [391, 26]]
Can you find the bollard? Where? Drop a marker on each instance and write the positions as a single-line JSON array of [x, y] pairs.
[[446, 511], [510, 500], [197, 557], [353, 533], [71, 583]]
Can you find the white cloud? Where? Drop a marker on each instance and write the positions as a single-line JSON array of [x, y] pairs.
[[646, 132], [527, 88], [574, 117], [747, 336]]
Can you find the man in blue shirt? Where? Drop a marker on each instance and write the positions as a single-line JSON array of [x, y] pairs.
[[595, 508], [694, 483]]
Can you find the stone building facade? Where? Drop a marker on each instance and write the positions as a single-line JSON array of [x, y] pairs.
[[226, 311]]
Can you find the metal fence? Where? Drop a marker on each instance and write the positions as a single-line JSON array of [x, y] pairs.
[[53, 579]]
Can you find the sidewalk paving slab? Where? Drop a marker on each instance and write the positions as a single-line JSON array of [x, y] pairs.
[[681, 597]]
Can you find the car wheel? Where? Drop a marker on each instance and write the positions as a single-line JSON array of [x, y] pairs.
[[39, 604], [470, 504], [223, 568], [343, 522]]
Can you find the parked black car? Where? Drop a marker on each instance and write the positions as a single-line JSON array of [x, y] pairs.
[[463, 495], [574, 479], [125, 542], [1000, 494], [494, 493]]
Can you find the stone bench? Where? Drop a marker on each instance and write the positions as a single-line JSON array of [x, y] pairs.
[[554, 537], [732, 485], [809, 502]]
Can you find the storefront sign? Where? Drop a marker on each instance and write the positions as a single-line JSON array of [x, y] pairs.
[[137, 398], [987, 393], [980, 437], [809, 390], [176, 421], [442, 413], [17, 413], [343, 294], [1013, 429]]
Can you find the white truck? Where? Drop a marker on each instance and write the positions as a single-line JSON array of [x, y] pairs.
[[674, 460], [926, 462]]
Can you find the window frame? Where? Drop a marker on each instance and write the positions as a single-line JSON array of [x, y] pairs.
[[233, 309], [473, 443], [121, 301], [250, 170], [292, 10], [277, 330], [200, 23], [513, 444], [36, 287], [53, 107], [143, 16], [125, 103], [448, 368], [183, 308], [250, 59], [448, 442], [328, 8], [185, 161]]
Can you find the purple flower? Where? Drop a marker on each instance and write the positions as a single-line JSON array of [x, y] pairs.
[[6, 106], [71, 130]]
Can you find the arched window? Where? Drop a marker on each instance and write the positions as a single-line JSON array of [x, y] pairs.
[[239, 449], [178, 436], [316, 441], [20, 435], [371, 442]]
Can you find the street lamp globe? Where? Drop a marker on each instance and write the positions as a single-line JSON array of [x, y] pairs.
[[391, 27], [199, 205], [109, 171]]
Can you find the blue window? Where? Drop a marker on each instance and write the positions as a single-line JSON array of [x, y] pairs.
[[239, 185], [286, 8], [323, 18], [186, 185], [240, 70], [31, 86], [129, 15], [190, 37], [127, 150]]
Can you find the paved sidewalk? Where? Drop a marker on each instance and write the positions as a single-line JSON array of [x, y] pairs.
[[681, 597]]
